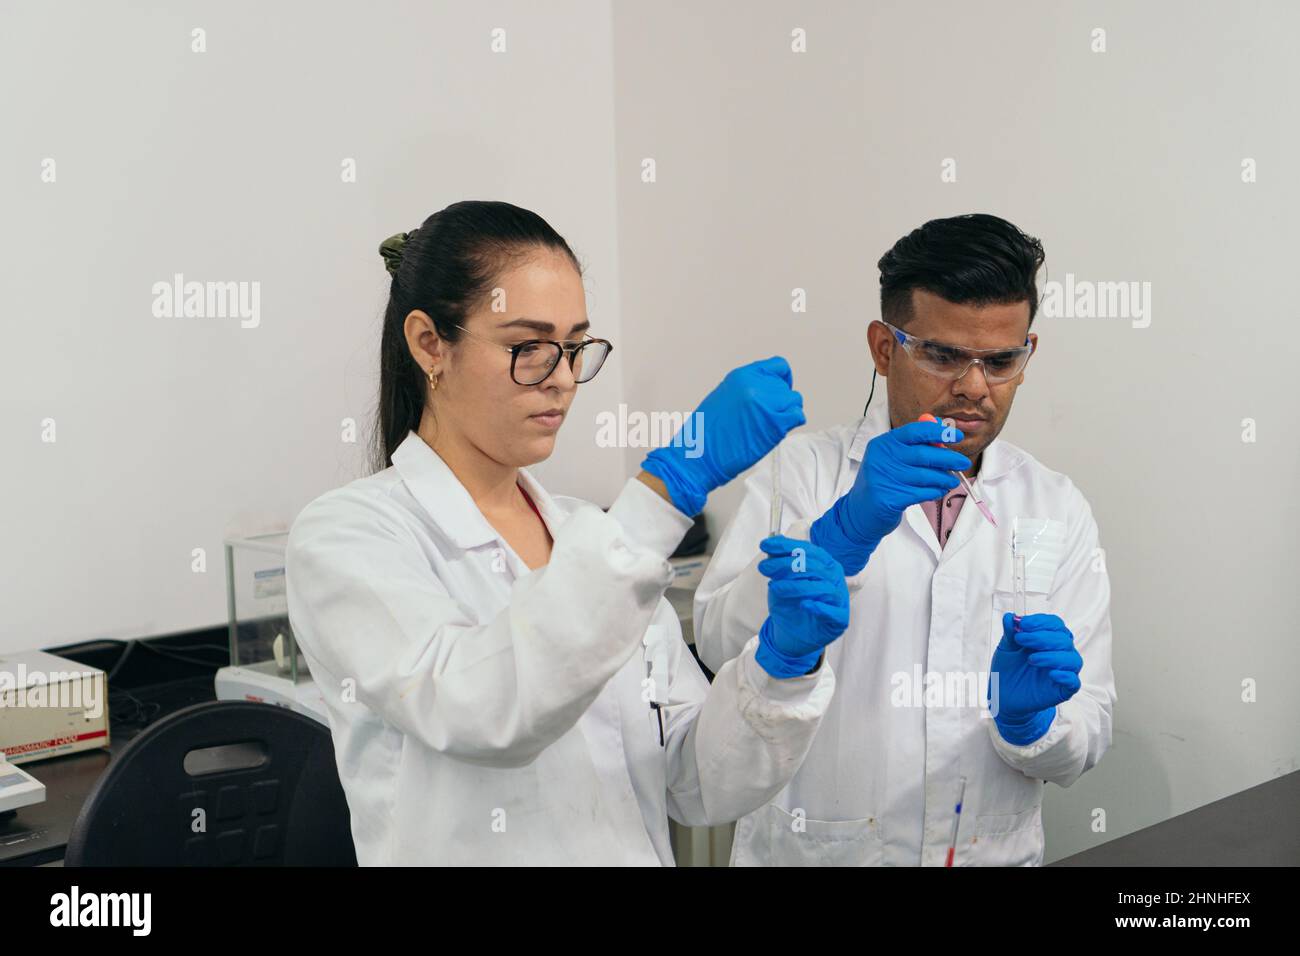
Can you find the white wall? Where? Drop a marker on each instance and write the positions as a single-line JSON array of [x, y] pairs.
[[226, 165], [778, 170]]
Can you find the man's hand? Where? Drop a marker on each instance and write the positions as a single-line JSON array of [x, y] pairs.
[[901, 468], [1037, 667]]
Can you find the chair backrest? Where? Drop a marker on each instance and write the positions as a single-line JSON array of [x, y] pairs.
[[169, 800]]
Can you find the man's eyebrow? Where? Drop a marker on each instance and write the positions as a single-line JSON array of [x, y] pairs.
[[537, 325], [965, 348]]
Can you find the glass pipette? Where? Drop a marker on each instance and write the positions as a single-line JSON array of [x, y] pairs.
[[1018, 580], [774, 517]]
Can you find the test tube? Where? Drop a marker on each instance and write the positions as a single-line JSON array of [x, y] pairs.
[[774, 517], [1018, 582]]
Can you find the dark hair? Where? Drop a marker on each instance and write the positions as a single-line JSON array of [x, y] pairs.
[[445, 268], [976, 258]]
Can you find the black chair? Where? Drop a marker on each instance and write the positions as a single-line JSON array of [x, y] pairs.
[[223, 783]]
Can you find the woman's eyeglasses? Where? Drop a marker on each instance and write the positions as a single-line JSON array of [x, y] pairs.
[[532, 362], [952, 362]]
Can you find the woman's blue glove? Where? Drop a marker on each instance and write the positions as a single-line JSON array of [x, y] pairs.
[[1038, 668], [807, 605], [901, 468], [739, 422]]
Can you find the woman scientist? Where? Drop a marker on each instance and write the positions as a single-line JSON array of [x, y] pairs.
[[505, 683]]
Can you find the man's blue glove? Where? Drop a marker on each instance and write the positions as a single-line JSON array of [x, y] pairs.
[[739, 422], [900, 468], [1037, 668], [807, 605]]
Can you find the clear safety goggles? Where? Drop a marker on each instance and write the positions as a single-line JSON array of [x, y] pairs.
[[951, 362]]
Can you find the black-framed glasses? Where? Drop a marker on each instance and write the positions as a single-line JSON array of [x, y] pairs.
[[951, 362], [532, 362]]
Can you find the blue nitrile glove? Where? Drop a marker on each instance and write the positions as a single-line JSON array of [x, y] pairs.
[[807, 605], [900, 468], [1037, 668], [739, 422]]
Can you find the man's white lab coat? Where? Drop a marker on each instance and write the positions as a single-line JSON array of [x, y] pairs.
[[485, 714], [879, 784]]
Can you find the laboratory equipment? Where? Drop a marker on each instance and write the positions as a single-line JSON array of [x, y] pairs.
[[1018, 580], [265, 663], [774, 516], [50, 706], [18, 788]]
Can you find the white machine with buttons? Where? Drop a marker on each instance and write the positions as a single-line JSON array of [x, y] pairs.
[[18, 788]]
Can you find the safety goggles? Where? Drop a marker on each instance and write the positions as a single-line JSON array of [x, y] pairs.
[[951, 362]]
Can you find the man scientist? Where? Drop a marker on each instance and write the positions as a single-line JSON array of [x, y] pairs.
[[930, 583]]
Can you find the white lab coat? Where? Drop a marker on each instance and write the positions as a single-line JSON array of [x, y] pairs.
[[879, 785], [486, 714]]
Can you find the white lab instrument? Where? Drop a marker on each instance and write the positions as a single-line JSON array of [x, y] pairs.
[[50, 706], [18, 788], [264, 684], [265, 665]]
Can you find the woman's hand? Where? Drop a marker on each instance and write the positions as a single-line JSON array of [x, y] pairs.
[[807, 605], [738, 423]]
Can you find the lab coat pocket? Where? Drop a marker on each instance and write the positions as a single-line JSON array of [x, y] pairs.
[[1009, 839], [1042, 543], [779, 837]]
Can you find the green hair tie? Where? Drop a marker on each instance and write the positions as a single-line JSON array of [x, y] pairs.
[[391, 250]]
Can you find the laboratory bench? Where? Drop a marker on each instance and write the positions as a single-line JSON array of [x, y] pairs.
[[1259, 826]]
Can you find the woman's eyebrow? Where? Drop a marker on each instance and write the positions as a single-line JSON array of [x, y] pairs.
[[546, 328]]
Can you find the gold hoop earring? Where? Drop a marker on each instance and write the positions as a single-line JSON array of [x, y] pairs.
[[433, 381]]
